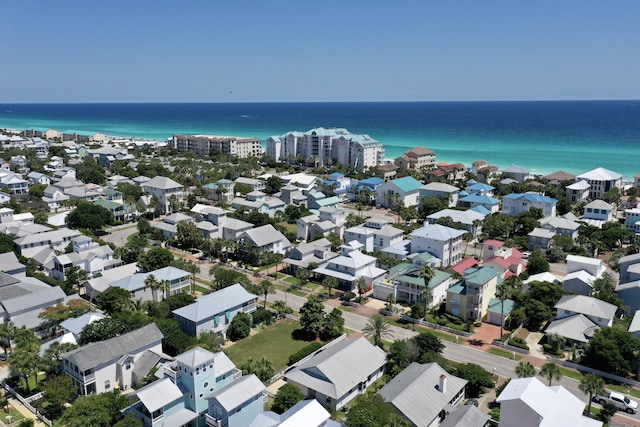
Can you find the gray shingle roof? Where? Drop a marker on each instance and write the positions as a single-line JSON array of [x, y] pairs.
[[97, 353], [340, 367], [414, 392], [265, 235]]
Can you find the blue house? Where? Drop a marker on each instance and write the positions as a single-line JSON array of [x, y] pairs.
[[237, 404], [214, 312]]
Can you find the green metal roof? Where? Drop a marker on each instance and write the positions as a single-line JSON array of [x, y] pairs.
[[458, 288], [108, 204], [407, 183], [414, 278], [479, 276], [495, 306]]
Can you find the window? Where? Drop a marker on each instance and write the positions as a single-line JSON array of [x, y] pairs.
[[107, 385], [206, 384], [127, 366]]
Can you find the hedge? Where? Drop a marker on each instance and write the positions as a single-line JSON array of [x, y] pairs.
[[518, 342], [304, 352]]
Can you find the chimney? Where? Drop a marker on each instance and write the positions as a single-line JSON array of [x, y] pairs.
[[442, 385]]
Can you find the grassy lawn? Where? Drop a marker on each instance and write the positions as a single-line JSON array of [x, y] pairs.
[[569, 373], [292, 228], [624, 389], [275, 343], [13, 413], [504, 353], [292, 280]]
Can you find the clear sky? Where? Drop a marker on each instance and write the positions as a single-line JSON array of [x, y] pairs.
[[309, 50]]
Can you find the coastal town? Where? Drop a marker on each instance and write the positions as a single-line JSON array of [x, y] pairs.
[[307, 280]]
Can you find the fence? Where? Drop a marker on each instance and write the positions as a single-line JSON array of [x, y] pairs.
[[594, 371], [28, 405], [506, 346], [435, 326]]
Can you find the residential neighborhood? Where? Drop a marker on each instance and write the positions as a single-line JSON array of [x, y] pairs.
[[204, 281]]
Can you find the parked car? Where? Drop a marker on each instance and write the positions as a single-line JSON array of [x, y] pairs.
[[619, 400]]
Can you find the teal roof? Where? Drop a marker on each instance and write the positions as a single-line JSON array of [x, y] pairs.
[[480, 276], [458, 288], [328, 201], [399, 267], [407, 183], [108, 204], [415, 279], [495, 306], [224, 181]]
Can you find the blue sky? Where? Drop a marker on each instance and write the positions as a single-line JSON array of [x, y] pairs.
[[348, 50]]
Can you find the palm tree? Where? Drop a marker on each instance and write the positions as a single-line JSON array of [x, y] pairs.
[[525, 370], [329, 283], [426, 273], [165, 287], [551, 371], [151, 282], [361, 286], [503, 292], [7, 334], [378, 328], [281, 308], [557, 341], [591, 384], [266, 287]]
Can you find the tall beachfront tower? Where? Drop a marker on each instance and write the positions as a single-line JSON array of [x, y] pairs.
[[321, 146]]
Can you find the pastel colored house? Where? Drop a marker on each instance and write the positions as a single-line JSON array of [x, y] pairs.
[[474, 200], [237, 404], [416, 158], [351, 265], [442, 190], [169, 281], [469, 298], [470, 219], [405, 191], [514, 204], [338, 372], [215, 311]]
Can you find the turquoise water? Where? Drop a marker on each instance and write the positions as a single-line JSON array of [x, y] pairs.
[[542, 136]]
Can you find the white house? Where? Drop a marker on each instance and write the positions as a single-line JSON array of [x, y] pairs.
[[442, 242], [579, 317], [351, 265], [164, 189], [598, 210], [440, 189], [516, 203], [527, 402], [600, 181], [266, 238], [578, 191], [339, 372]]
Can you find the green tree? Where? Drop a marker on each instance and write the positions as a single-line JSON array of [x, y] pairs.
[[427, 273], [144, 227], [551, 371], [155, 259], [240, 327], [503, 292], [6, 243], [273, 185], [401, 354], [478, 378], [427, 342], [113, 300], [333, 325], [329, 283], [58, 391], [89, 216], [377, 328], [537, 263], [525, 370], [281, 308], [95, 410], [287, 396], [266, 287], [302, 275], [101, 330], [312, 316], [591, 385], [188, 235], [36, 191], [89, 171], [370, 411], [8, 332]]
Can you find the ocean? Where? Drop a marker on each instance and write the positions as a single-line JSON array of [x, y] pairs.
[[543, 136]]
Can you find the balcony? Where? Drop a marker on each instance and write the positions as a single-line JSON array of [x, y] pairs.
[[237, 373], [172, 372], [212, 422]]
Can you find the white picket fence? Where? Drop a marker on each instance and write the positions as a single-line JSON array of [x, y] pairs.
[[27, 404]]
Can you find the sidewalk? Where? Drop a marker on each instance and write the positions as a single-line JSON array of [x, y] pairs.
[[24, 411]]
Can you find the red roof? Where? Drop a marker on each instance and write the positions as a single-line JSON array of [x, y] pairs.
[[493, 243], [463, 265]]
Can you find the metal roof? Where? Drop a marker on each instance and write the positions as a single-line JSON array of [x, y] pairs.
[[238, 392], [217, 302]]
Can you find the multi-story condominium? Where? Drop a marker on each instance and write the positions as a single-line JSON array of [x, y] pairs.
[[202, 145], [320, 144], [444, 243], [416, 158]]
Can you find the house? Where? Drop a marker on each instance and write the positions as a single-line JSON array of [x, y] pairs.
[[336, 184], [404, 191], [306, 412], [442, 242], [579, 282], [442, 190], [215, 311], [169, 224], [424, 394], [479, 188], [303, 254], [103, 366], [518, 173], [338, 372], [634, 327], [579, 317], [38, 178], [54, 197], [416, 158], [31, 244], [365, 190], [470, 220], [221, 190], [317, 200], [632, 220], [600, 181], [303, 181], [469, 298], [164, 189], [629, 268], [266, 238], [598, 212], [237, 404], [259, 201], [593, 266], [75, 325], [516, 203], [541, 239], [291, 195], [474, 200], [374, 235], [386, 171], [528, 402], [509, 259], [450, 172], [560, 226], [10, 264], [498, 311], [350, 266], [14, 182], [404, 283], [578, 192], [89, 256], [168, 281], [161, 403], [253, 184], [484, 171]]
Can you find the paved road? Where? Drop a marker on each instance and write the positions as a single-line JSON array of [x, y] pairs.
[[118, 235]]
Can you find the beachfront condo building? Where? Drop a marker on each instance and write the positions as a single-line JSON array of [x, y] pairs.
[[323, 146], [203, 145]]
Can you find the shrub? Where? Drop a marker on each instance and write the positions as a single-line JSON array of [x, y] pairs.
[[262, 315], [550, 348], [348, 296], [502, 387], [518, 342], [240, 327], [304, 352]]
